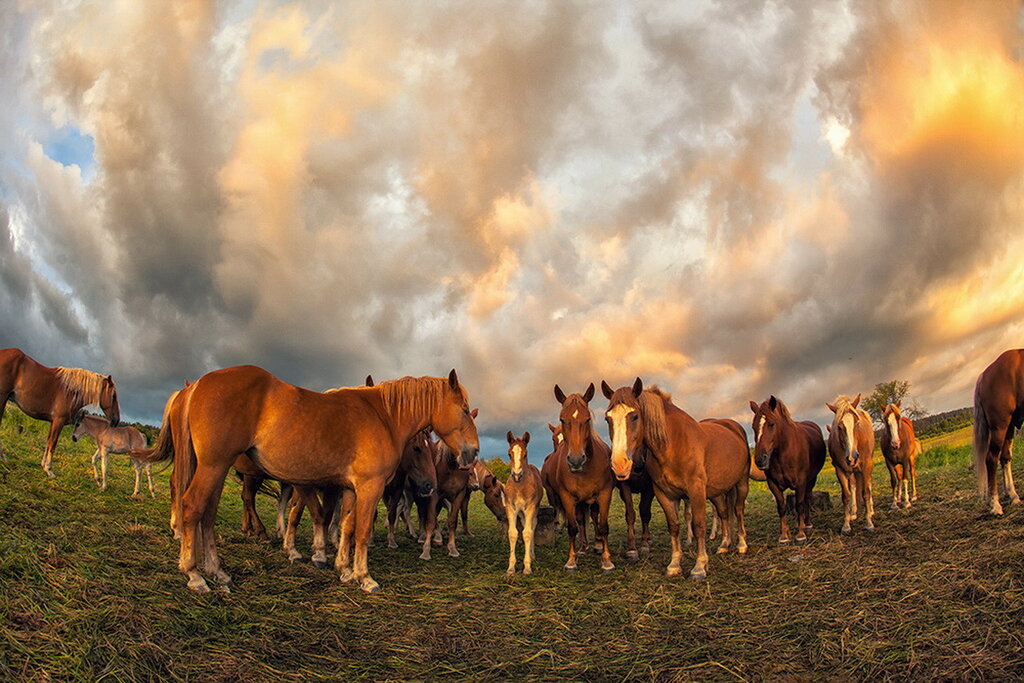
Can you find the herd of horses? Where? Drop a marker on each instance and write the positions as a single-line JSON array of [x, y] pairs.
[[340, 452]]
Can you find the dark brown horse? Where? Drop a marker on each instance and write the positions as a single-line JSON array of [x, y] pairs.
[[415, 475], [351, 439], [452, 489], [998, 413], [686, 459], [56, 395], [791, 454], [900, 449], [580, 474]]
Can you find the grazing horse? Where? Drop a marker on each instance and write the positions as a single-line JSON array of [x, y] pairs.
[[522, 495], [686, 459], [900, 448], [484, 480], [350, 439], [56, 395], [998, 413], [415, 476], [851, 443], [791, 454], [581, 474], [114, 440]]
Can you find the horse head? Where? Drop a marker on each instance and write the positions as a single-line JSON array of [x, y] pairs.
[[517, 454], [108, 401], [418, 460], [844, 427], [767, 416], [625, 426], [892, 423], [577, 426], [453, 421]]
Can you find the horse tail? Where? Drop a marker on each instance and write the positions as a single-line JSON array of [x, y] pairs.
[[162, 450], [982, 436]]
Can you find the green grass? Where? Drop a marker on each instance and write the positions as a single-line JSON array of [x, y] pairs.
[[89, 590]]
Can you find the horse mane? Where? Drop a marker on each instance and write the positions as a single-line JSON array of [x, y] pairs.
[[844, 403], [85, 386], [409, 396], [782, 410], [652, 410]]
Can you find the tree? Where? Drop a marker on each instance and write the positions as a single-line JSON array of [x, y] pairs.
[[893, 391]]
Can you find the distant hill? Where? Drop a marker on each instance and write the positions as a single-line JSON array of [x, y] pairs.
[[942, 423]]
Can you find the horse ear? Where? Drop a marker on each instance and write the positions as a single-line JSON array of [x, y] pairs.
[[898, 404], [773, 402], [369, 380], [831, 407], [552, 427], [606, 390], [453, 380], [753, 407], [638, 387], [473, 413], [509, 437], [589, 393], [110, 379], [829, 428], [526, 437], [559, 394], [856, 401]]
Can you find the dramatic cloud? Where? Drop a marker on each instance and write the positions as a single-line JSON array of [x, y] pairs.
[[729, 199]]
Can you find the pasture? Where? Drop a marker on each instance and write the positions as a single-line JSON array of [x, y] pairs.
[[89, 589]]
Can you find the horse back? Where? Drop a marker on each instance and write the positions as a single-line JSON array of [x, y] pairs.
[[1000, 390], [726, 454]]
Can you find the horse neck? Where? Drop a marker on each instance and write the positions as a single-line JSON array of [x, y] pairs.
[[674, 417], [409, 410]]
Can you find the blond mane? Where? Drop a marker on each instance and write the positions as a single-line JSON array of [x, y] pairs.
[[652, 410], [85, 386], [410, 397]]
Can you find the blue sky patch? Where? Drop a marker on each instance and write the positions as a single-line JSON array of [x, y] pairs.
[[68, 145]]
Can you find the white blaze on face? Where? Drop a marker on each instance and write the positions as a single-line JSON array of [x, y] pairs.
[[848, 426], [517, 459], [621, 463], [760, 429], [560, 438], [894, 430]]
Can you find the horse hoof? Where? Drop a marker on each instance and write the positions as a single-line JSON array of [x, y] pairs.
[[1015, 500], [721, 551], [511, 572], [698, 575], [645, 549], [392, 545], [869, 528], [633, 555], [370, 586], [673, 571], [845, 531], [742, 550], [527, 570], [453, 553], [607, 570], [570, 569], [321, 564], [801, 541], [345, 575], [425, 557], [785, 541], [294, 559], [199, 585]]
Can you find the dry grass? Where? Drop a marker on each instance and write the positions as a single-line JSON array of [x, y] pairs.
[[89, 590]]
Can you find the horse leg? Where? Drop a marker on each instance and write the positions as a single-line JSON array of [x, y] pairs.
[[803, 503], [529, 528], [513, 538], [212, 563], [894, 481], [869, 500], [137, 466], [332, 494], [687, 517], [594, 516], [465, 515], [194, 503], [453, 522], [720, 503], [365, 504], [626, 494], [346, 531], [844, 485], [51, 444], [103, 467], [149, 479], [581, 524], [995, 446], [698, 509], [780, 505], [646, 498], [428, 520], [95, 470], [447, 506], [572, 519], [601, 529], [317, 514], [1005, 457], [913, 473], [739, 510], [294, 516], [283, 505], [671, 509], [391, 502], [3, 407]]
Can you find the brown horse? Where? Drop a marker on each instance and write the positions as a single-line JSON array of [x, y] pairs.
[[56, 395], [580, 474], [415, 476], [521, 496], [484, 480], [791, 454], [851, 443], [998, 413], [900, 449], [350, 439], [686, 459], [452, 489], [114, 440]]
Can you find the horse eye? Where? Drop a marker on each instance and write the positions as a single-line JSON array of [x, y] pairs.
[[634, 418]]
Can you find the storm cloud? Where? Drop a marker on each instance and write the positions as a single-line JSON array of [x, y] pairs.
[[727, 199]]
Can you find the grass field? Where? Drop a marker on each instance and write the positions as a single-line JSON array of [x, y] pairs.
[[89, 591]]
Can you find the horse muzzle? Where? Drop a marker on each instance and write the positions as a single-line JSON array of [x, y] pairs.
[[517, 476], [762, 461], [467, 457], [424, 490], [576, 465], [895, 443]]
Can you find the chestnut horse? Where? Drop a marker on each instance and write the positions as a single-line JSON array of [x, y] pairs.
[[998, 413], [581, 474], [350, 439], [686, 459], [114, 440], [900, 449], [791, 454], [452, 489], [56, 395], [522, 495], [851, 443]]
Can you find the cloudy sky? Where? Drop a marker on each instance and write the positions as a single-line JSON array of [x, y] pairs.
[[729, 199]]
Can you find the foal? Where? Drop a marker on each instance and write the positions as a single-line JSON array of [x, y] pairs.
[[851, 443], [900, 449], [522, 495], [118, 440]]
